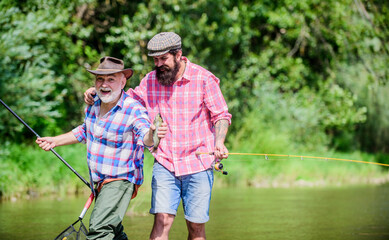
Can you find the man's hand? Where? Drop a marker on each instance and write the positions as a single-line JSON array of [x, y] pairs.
[[221, 151], [88, 96], [162, 130], [46, 143], [161, 133]]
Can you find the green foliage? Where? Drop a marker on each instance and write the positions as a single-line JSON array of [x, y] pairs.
[[41, 65], [373, 135], [291, 125], [29, 168], [302, 47], [298, 76]]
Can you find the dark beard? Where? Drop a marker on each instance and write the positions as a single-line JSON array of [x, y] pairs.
[[168, 76]]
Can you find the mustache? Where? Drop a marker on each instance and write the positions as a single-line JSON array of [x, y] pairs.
[[163, 67]]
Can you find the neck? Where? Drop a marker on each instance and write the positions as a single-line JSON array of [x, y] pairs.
[[181, 71], [106, 107]]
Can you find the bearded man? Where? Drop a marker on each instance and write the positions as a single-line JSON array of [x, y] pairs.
[[190, 101]]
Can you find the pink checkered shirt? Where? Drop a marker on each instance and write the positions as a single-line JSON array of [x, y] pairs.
[[190, 107]]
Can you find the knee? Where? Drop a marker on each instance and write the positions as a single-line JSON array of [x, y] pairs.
[[196, 228], [164, 219], [161, 227]]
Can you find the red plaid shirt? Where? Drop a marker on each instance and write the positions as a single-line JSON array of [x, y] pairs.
[[190, 107]]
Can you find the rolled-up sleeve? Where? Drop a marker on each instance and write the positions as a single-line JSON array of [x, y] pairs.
[[141, 124], [80, 133], [215, 102]]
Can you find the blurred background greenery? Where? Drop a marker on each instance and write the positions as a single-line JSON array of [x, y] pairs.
[[299, 77]]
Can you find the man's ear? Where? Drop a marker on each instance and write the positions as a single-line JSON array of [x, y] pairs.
[[179, 55], [124, 81]]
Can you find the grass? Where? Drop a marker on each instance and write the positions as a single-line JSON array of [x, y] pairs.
[[28, 171]]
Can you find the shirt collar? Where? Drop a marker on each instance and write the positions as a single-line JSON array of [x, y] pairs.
[[120, 103], [96, 98]]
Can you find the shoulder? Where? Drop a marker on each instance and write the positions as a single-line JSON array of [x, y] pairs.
[[197, 72], [151, 76], [130, 104], [96, 103], [90, 108], [197, 68], [147, 81]]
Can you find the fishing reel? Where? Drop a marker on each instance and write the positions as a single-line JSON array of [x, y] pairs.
[[218, 167]]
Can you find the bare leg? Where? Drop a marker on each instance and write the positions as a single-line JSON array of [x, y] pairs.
[[196, 231], [162, 224]]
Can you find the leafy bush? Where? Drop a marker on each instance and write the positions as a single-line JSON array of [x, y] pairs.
[[297, 75]]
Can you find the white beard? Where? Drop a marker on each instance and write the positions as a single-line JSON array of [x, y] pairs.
[[111, 97]]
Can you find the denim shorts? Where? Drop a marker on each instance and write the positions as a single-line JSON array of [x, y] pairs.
[[194, 189]]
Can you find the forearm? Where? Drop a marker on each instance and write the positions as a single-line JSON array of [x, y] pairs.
[[148, 139], [65, 139], [221, 129]]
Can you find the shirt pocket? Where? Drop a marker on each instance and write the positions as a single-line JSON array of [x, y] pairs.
[[113, 137]]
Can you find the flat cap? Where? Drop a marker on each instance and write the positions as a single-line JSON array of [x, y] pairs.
[[162, 43]]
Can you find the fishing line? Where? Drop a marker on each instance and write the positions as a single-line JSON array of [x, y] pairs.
[[267, 155]]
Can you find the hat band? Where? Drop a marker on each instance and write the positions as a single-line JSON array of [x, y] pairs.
[[108, 70]]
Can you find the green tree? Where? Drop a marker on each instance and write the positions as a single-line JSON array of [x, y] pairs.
[[42, 57], [306, 54]]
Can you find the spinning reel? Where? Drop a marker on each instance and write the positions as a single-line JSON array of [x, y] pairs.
[[218, 166]]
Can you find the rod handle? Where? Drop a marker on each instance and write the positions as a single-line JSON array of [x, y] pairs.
[[86, 206], [201, 153]]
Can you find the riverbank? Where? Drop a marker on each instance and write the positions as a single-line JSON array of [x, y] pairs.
[[29, 172]]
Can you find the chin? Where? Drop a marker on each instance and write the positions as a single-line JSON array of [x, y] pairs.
[[112, 97], [106, 99]]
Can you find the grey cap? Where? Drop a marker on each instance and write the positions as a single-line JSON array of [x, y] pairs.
[[162, 43]]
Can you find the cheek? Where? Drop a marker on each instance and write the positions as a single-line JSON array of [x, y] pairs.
[[169, 64]]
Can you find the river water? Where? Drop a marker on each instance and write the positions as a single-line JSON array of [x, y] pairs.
[[298, 213]]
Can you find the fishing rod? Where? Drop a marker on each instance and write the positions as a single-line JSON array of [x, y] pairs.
[[296, 156], [52, 150]]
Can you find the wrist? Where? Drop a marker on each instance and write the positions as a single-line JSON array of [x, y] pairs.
[[148, 140]]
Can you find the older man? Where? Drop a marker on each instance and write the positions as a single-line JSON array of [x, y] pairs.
[[116, 129], [189, 99]]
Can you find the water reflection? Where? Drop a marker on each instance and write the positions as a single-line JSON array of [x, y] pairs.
[[317, 213]]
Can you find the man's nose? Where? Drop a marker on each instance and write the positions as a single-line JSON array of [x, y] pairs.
[[105, 83], [158, 63]]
